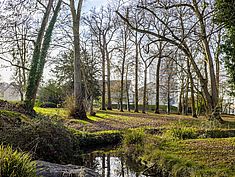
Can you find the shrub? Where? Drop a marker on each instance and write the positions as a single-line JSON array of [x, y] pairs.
[[183, 133], [12, 119], [46, 140], [38, 103], [15, 163], [48, 105], [52, 92], [133, 146], [69, 105], [219, 133], [132, 137]]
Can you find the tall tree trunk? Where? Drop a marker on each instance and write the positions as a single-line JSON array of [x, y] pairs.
[[123, 67], [157, 84], [122, 87], [136, 73], [103, 165], [217, 64], [103, 107], [168, 95], [213, 102], [31, 89], [108, 165], [193, 108], [180, 107], [109, 105], [186, 96], [127, 90], [80, 111], [92, 112], [145, 91], [22, 50], [39, 55]]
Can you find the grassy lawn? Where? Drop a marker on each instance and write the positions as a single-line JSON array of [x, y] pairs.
[[176, 142], [52, 111], [116, 120]]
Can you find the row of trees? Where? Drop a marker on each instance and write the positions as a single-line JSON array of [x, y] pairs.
[[50, 11], [180, 33], [178, 40]]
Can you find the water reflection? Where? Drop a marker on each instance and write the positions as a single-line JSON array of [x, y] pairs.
[[109, 165]]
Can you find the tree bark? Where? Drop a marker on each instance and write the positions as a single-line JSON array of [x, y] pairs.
[[136, 73], [80, 111], [39, 55], [168, 95], [157, 83], [109, 105], [127, 90], [122, 85], [213, 102], [123, 65], [193, 108], [145, 91], [103, 105], [180, 107], [186, 96]]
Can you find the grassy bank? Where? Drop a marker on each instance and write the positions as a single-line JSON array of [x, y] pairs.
[[169, 145], [49, 139]]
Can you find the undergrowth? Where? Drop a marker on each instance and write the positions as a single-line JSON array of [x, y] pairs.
[[15, 163]]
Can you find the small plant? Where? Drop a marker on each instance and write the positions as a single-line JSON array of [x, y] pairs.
[[69, 105], [15, 163], [134, 137], [183, 133]]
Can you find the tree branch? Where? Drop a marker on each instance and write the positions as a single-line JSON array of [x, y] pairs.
[[12, 64]]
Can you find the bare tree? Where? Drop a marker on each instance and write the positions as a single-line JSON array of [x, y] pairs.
[[147, 56], [195, 29], [101, 25], [80, 111]]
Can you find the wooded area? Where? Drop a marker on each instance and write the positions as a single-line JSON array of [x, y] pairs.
[[164, 60], [123, 41]]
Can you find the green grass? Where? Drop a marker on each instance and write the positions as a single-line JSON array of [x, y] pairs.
[[52, 111], [11, 118], [15, 163], [197, 157], [177, 144]]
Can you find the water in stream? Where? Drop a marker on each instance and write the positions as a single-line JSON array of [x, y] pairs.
[[108, 165]]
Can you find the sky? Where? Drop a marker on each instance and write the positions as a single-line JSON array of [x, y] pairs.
[[6, 72], [88, 4]]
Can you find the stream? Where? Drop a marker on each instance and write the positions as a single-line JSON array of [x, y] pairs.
[[109, 165]]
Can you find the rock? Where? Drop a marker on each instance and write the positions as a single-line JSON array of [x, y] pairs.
[[47, 169]]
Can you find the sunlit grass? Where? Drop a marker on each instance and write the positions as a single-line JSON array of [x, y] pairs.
[[216, 154], [52, 111]]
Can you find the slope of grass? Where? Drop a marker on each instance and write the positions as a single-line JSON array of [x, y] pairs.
[[203, 157], [173, 145]]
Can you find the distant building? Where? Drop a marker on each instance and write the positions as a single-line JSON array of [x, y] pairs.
[[228, 105], [151, 95], [168, 78], [9, 92], [115, 86]]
